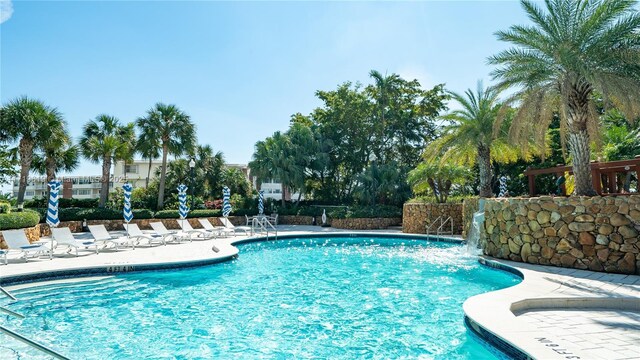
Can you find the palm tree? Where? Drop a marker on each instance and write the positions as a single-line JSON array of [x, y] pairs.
[[106, 140], [177, 136], [210, 171], [273, 159], [470, 138], [26, 120], [572, 50], [57, 152], [148, 144], [386, 86]]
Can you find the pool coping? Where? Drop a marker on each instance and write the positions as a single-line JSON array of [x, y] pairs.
[[494, 315]]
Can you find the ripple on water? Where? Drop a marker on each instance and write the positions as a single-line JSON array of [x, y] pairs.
[[308, 298]]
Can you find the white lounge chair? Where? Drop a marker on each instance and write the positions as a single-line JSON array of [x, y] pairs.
[[198, 233], [227, 224], [206, 224], [135, 234], [161, 230], [100, 234], [63, 236], [17, 241]]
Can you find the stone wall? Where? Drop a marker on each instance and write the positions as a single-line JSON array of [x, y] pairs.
[[297, 220], [596, 233], [365, 223], [416, 216], [469, 207]]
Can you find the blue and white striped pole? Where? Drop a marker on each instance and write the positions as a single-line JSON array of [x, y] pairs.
[[261, 202], [182, 200], [226, 203], [126, 211], [503, 186], [53, 218]]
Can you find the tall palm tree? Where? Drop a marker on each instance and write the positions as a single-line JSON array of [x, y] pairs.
[[573, 49], [273, 159], [106, 140], [210, 171], [470, 137], [148, 144], [26, 120], [385, 86], [177, 136]]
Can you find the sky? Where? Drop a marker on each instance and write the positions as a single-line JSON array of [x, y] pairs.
[[239, 69]]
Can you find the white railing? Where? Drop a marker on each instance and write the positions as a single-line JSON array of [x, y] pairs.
[[261, 224], [441, 231], [21, 338], [433, 223], [438, 224]]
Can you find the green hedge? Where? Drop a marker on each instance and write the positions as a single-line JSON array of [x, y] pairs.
[[19, 220], [63, 203], [79, 214], [378, 211]]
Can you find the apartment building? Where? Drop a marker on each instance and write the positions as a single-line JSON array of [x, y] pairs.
[[78, 187]]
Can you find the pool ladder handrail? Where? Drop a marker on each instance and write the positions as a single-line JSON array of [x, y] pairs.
[[263, 224], [440, 231], [435, 221], [22, 338]]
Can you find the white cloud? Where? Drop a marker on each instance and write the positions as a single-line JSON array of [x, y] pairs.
[[411, 72], [6, 10]]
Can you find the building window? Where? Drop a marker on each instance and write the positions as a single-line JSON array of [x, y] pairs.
[[81, 192], [29, 193], [131, 169]]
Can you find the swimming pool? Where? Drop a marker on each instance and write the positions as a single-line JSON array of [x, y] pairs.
[[339, 298]]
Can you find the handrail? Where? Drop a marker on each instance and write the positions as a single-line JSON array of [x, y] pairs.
[[33, 344], [8, 294], [261, 223], [428, 230], [443, 223], [11, 312]]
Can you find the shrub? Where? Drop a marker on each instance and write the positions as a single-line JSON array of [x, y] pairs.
[[79, 203], [167, 214], [377, 211], [19, 220], [5, 207], [204, 213]]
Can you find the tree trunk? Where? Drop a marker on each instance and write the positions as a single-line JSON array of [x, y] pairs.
[[577, 117], [283, 203], [51, 173], [106, 173], [484, 165], [163, 175], [148, 173], [579, 144], [25, 148]]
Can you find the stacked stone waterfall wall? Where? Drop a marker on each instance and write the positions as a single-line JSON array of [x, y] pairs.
[[595, 233], [416, 217]]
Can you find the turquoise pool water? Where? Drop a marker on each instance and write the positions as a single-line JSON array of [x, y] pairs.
[[339, 298]]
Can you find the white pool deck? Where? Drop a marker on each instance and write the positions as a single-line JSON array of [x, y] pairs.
[[554, 313]]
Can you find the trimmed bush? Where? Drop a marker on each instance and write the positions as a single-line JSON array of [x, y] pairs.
[[378, 211], [167, 214], [5, 207], [63, 203], [19, 220], [142, 214]]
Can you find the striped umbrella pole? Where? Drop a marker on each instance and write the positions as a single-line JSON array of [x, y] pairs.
[[126, 211], [53, 218], [261, 202], [182, 199], [226, 203], [503, 186]]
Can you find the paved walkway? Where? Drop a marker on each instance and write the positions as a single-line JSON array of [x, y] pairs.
[[558, 313]]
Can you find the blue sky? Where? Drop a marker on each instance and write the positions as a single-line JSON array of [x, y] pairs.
[[239, 69]]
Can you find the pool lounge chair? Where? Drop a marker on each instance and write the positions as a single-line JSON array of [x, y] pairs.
[[135, 234], [100, 234], [161, 230], [227, 224], [198, 233], [16, 240], [63, 236], [206, 224]]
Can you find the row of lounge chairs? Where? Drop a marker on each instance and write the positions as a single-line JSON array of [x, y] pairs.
[[17, 240]]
